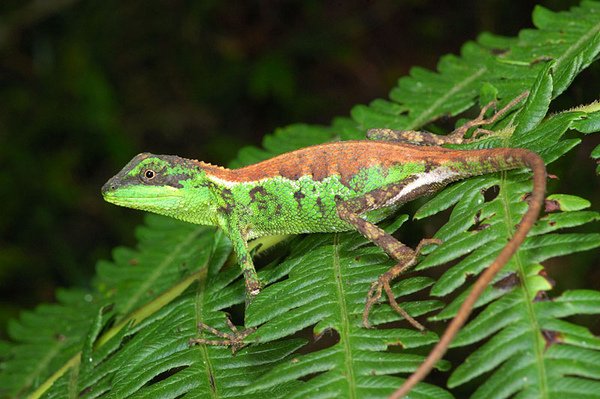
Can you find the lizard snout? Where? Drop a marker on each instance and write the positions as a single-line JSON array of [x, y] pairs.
[[109, 186]]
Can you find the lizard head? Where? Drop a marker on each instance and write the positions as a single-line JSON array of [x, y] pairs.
[[163, 184]]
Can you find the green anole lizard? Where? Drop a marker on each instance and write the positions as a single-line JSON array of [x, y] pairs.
[[338, 186]]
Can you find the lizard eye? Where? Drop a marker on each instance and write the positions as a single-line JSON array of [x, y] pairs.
[[149, 174]]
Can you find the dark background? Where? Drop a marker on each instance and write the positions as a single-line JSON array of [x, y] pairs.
[[85, 85]]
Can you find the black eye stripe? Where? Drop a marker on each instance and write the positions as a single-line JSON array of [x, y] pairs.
[[159, 175]]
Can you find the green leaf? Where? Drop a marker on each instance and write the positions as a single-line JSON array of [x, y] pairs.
[[451, 195], [573, 48], [596, 155], [569, 202], [590, 123], [537, 104], [555, 221]]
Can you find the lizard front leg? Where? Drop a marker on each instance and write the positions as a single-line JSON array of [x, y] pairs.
[[406, 257], [240, 247], [237, 234], [234, 339]]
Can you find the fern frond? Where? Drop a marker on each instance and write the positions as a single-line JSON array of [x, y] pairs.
[[46, 339], [521, 346], [155, 360], [166, 253], [571, 39], [326, 286], [150, 356], [536, 361]]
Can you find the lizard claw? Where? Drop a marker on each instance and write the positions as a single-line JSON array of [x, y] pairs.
[[372, 298], [377, 287]]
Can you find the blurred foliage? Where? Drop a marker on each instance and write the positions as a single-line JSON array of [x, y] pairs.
[[84, 85]]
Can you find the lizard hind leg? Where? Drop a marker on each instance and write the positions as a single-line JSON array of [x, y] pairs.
[[350, 211], [414, 137], [456, 137]]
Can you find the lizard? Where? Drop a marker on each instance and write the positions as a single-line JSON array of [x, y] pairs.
[[330, 187]]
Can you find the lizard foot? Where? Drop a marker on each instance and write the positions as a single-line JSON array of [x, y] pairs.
[[383, 284], [457, 135], [235, 339]]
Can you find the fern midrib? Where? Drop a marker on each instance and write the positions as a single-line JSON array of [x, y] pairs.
[[344, 330], [157, 271], [575, 47], [524, 288], [42, 365], [210, 371], [203, 349], [430, 113]]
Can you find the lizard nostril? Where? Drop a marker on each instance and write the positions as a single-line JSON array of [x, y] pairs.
[[108, 186]]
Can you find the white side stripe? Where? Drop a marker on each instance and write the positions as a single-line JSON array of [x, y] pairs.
[[439, 175]]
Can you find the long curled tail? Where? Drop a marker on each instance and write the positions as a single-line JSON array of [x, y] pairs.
[[536, 164]]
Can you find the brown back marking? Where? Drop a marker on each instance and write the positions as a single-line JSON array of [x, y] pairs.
[[346, 158]]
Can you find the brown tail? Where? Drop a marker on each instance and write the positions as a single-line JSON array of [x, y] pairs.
[[536, 164]]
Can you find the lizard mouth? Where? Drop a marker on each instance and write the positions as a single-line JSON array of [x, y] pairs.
[[144, 197]]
